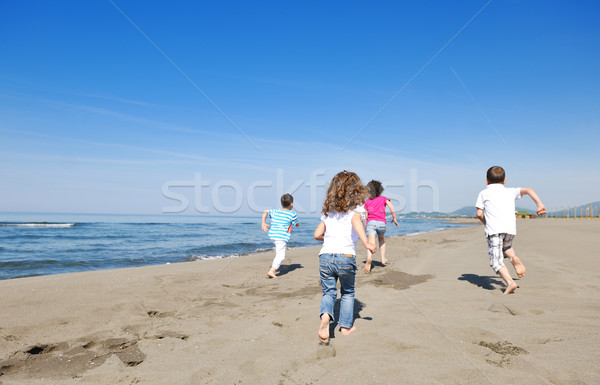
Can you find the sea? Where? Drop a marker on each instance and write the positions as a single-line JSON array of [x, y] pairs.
[[33, 244]]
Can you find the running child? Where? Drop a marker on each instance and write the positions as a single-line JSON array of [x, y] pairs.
[[339, 230], [282, 221], [376, 222], [496, 210]]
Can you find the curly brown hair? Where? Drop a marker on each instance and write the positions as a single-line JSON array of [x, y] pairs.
[[344, 193]]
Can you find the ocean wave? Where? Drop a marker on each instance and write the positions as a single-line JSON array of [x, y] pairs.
[[237, 248], [39, 224], [28, 265], [205, 257]]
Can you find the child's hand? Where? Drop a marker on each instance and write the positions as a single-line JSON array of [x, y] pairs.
[[541, 210], [394, 221], [265, 227], [371, 247]]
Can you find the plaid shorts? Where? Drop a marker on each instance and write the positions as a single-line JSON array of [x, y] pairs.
[[497, 245]]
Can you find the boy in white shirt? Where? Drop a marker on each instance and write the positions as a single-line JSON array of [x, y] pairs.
[[496, 209]]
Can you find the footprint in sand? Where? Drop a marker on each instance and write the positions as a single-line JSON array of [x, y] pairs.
[[325, 351], [500, 308]]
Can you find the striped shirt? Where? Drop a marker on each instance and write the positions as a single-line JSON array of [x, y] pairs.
[[281, 224]]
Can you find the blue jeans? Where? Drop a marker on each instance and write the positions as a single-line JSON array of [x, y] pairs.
[[331, 268]]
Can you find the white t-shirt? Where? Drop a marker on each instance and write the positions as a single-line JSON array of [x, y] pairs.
[[498, 204], [340, 237], [363, 214]]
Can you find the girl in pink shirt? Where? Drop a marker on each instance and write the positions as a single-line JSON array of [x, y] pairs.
[[376, 221]]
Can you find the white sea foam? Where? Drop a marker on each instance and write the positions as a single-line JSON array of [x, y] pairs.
[[210, 257], [51, 225]]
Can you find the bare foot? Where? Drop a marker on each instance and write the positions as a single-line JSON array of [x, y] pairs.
[[520, 270], [518, 265], [324, 329], [346, 331], [384, 261], [510, 288], [271, 273], [516, 262], [368, 265]]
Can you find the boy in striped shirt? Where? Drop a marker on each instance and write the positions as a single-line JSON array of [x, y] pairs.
[[282, 221]]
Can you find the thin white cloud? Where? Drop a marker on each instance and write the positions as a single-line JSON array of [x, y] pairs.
[[133, 119], [128, 118], [121, 100], [226, 162]]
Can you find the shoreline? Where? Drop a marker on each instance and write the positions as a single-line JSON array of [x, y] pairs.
[[53, 260], [436, 313]]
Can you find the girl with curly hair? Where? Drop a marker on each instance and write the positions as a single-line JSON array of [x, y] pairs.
[[339, 230]]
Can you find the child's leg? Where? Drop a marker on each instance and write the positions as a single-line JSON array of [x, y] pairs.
[[279, 257], [510, 253], [329, 286], [510, 284], [371, 239], [495, 243], [516, 262], [382, 249], [347, 274]]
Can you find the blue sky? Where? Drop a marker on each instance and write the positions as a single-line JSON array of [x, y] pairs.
[[119, 107]]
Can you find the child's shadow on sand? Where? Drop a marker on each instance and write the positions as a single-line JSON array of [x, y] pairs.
[[485, 282], [284, 269], [375, 264], [358, 307]]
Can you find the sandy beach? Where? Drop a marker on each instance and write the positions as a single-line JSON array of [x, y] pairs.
[[434, 315]]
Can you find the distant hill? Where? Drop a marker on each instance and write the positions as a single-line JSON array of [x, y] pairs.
[[423, 214], [521, 210], [467, 211]]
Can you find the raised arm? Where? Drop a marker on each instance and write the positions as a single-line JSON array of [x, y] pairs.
[[541, 209], [389, 204]]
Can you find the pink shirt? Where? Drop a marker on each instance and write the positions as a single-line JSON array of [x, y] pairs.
[[376, 208]]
